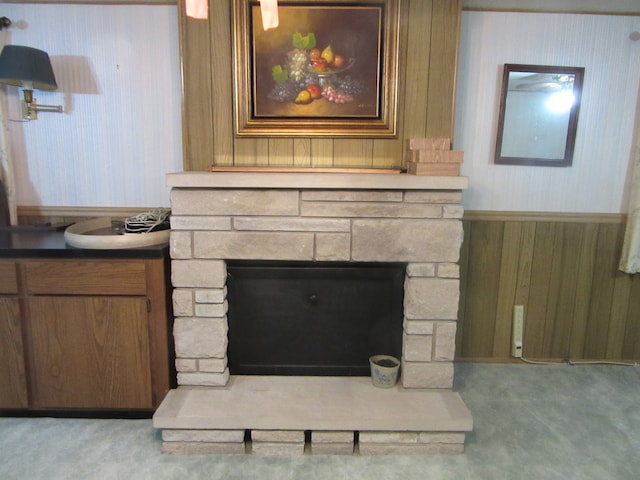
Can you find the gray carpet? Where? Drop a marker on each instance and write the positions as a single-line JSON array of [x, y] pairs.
[[531, 422]]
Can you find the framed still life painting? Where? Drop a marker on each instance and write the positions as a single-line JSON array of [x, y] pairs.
[[328, 69]]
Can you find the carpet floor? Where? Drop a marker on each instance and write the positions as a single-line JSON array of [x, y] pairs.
[[530, 422]]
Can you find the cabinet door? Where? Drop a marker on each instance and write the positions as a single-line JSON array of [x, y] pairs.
[[13, 387], [89, 352]]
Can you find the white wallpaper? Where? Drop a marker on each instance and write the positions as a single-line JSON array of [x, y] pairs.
[[118, 72], [596, 183], [118, 75]]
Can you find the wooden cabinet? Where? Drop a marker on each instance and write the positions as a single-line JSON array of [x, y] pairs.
[[13, 387], [93, 333]]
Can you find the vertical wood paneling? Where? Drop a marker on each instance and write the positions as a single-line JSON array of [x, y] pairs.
[[568, 258], [198, 140], [221, 73], [601, 295], [485, 243], [321, 152], [280, 151], [536, 308], [416, 77], [464, 274], [507, 288], [577, 305], [619, 309], [442, 67], [584, 284], [302, 152], [631, 342]]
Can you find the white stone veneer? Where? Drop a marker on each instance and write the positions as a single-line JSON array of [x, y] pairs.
[[315, 217]]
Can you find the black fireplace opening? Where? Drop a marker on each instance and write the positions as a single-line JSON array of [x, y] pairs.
[[312, 318]]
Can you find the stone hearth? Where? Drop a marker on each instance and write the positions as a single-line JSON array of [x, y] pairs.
[[314, 217]]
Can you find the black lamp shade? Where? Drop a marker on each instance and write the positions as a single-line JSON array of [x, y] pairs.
[[23, 65]]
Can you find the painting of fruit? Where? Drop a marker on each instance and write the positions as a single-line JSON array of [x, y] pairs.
[[314, 90], [316, 64]]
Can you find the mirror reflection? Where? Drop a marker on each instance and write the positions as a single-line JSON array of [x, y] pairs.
[[538, 115]]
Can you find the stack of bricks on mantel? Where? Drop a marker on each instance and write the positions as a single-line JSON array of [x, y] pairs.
[[433, 156]]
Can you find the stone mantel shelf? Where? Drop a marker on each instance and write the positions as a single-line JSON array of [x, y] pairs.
[[313, 180]]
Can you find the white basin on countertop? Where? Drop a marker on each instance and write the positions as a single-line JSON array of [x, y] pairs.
[[98, 234]]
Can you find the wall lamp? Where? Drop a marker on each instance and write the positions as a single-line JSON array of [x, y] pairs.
[[28, 68]]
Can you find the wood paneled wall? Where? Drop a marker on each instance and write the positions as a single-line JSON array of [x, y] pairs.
[[428, 46], [564, 272]]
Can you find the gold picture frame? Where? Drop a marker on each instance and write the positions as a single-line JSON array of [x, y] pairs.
[[329, 69]]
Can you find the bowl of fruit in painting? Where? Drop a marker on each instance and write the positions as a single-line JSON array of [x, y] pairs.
[[311, 72]]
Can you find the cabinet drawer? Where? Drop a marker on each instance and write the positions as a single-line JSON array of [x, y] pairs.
[[86, 277], [8, 280]]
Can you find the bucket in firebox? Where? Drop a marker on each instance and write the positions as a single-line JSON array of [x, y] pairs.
[[384, 370]]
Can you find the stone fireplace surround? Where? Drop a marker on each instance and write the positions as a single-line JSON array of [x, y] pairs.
[[352, 217]]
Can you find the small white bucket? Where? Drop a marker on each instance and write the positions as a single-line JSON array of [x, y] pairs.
[[384, 370]]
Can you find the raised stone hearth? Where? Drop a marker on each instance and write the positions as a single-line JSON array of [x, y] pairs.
[[314, 217]]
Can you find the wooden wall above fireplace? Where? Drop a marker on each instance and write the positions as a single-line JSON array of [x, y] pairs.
[[429, 31]]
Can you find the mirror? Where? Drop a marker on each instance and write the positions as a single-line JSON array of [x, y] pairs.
[[538, 115]]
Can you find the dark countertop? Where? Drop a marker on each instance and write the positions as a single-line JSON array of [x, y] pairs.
[[26, 243]]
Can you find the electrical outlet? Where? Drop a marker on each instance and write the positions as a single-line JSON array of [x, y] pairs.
[[518, 331]]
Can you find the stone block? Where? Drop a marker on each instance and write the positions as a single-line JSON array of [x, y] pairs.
[[370, 209], [211, 309], [186, 365], [427, 374], [198, 273], [200, 223], [433, 196], [332, 448], [277, 442], [331, 436], [200, 337], [431, 298], [254, 245], [211, 295], [277, 436], [226, 436], [445, 344], [352, 195], [333, 247], [277, 449], [180, 245], [410, 449], [290, 224], [388, 437], [418, 327], [452, 211], [421, 270], [398, 240], [448, 270], [182, 302], [212, 365], [418, 348], [443, 438], [203, 448], [203, 379], [234, 202]]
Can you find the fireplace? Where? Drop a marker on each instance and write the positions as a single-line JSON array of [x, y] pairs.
[[330, 220]]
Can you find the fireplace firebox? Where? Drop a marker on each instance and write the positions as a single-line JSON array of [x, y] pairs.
[[312, 318]]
